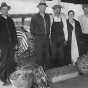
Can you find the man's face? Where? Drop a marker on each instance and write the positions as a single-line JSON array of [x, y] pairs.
[[57, 11], [4, 10], [71, 15], [42, 8], [85, 10]]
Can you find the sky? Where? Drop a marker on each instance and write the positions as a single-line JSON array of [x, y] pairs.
[[30, 6], [26, 6], [22, 6]]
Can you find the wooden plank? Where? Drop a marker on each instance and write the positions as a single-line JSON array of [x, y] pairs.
[[62, 73]]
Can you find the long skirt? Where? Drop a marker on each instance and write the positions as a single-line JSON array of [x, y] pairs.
[[68, 53]]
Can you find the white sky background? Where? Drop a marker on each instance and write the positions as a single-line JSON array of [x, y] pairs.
[[30, 6]]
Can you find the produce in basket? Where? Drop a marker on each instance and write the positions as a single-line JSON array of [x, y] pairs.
[[82, 64]]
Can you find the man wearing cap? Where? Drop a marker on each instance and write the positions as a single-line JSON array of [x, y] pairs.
[[8, 41], [83, 19], [59, 37], [40, 30]]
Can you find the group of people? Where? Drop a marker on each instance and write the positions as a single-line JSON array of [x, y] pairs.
[[58, 41]]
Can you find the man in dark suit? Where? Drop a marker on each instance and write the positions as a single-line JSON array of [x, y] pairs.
[[40, 30], [8, 41]]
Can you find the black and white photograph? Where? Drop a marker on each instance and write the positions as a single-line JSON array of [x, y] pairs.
[[43, 44]]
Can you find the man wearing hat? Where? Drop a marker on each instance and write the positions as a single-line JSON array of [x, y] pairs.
[[8, 41], [83, 19], [40, 30], [59, 36]]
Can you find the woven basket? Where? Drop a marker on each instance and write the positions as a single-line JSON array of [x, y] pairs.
[[82, 64]]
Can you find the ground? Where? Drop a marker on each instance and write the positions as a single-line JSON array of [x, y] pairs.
[[78, 82], [1, 85]]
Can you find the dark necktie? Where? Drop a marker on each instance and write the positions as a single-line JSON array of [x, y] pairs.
[[44, 24]]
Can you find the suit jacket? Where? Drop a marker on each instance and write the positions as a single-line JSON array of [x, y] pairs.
[[7, 32], [37, 26]]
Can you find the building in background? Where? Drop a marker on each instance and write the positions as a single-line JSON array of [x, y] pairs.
[[22, 10]]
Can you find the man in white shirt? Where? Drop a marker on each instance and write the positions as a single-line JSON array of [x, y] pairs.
[[83, 19]]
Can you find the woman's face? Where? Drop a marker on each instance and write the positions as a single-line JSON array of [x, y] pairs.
[[57, 11], [71, 15]]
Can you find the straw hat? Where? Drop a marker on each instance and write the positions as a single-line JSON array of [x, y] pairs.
[[57, 6]]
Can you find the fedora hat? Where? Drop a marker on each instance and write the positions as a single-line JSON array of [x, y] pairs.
[[42, 2], [4, 4], [57, 6]]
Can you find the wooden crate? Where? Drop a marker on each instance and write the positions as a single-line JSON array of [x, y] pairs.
[[62, 73]]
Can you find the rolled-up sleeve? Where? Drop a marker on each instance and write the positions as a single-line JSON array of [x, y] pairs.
[[65, 27]]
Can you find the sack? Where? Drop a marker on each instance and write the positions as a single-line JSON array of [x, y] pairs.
[[29, 76], [22, 79], [40, 78]]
